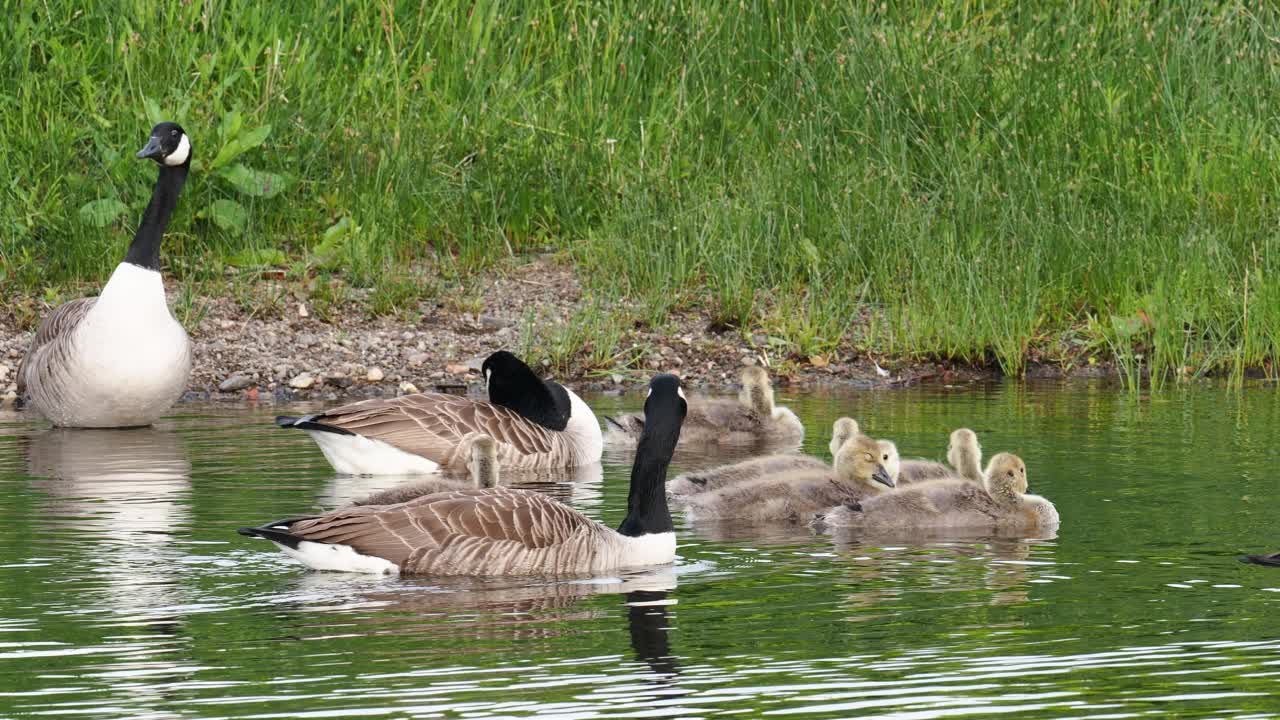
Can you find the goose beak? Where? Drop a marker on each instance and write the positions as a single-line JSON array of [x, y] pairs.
[[152, 150], [882, 476]]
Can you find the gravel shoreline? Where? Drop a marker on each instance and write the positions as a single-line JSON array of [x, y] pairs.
[[294, 355]]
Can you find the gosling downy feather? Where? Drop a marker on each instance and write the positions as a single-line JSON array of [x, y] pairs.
[[750, 419], [1001, 505], [841, 430], [119, 359], [964, 454], [700, 481], [536, 424], [798, 494], [502, 531], [482, 466]]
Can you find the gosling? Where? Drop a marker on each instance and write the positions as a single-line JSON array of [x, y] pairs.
[[964, 455], [750, 419], [482, 466], [1001, 504], [859, 473], [700, 481]]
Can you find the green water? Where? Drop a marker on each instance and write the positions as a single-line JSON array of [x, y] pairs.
[[125, 592]]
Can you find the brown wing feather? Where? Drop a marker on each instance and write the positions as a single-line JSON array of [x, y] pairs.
[[51, 340], [486, 522], [433, 424]]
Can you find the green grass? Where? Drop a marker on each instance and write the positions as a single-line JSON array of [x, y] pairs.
[[982, 180]]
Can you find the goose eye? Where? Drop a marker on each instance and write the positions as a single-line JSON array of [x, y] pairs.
[[173, 133], [886, 456]]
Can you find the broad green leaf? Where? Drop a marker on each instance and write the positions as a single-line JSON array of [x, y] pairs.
[[257, 257], [230, 126], [101, 213], [228, 215], [153, 110], [226, 154], [257, 183], [254, 137]]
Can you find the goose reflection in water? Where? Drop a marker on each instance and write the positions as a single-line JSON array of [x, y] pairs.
[[112, 502]]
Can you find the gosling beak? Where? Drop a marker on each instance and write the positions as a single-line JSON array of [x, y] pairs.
[[152, 150], [882, 476]]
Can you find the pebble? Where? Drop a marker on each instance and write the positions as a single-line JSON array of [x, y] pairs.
[[302, 381], [617, 379], [4, 371], [236, 381], [408, 388], [455, 369], [374, 375], [302, 310], [418, 358]]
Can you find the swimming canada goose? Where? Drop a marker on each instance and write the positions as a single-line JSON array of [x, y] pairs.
[[482, 466], [1001, 505], [502, 531], [1272, 560], [964, 454], [536, 423], [744, 471], [752, 418], [118, 359], [859, 473]]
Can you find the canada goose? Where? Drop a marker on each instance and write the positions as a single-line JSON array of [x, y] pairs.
[[502, 531], [482, 465], [859, 472], [536, 424], [118, 359], [752, 418], [964, 454], [1272, 560], [1001, 505]]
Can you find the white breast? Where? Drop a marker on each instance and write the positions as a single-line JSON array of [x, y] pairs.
[[131, 359]]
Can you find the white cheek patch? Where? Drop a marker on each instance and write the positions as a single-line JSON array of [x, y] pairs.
[[179, 156], [680, 392], [647, 393]]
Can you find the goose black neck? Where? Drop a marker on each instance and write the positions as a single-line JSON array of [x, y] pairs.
[[144, 251], [647, 510]]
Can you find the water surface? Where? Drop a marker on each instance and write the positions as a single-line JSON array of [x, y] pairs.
[[125, 592]]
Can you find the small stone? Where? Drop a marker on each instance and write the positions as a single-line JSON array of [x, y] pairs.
[[374, 375], [226, 324], [408, 388], [302, 381], [476, 363], [4, 372], [455, 369], [748, 360], [302, 310], [306, 340], [418, 358], [492, 323], [436, 374], [406, 335], [616, 378], [236, 381]]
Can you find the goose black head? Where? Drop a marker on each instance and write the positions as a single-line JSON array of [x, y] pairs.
[[168, 145], [665, 405], [514, 385]]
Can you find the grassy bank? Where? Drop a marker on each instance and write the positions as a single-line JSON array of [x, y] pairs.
[[986, 181]]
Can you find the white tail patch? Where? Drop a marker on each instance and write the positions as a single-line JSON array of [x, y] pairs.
[[341, 558], [359, 455]]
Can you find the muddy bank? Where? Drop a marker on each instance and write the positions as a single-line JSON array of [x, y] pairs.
[[291, 354]]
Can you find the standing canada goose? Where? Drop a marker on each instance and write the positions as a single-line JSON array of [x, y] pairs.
[[482, 467], [502, 531], [745, 471], [118, 359], [1001, 505], [751, 418], [964, 454], [859, 472], [536, 423]]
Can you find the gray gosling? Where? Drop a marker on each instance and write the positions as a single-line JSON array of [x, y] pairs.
[[1001, 503], [700, 481], [482, 466], [964, 455], [751, 418], [859, 473]]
